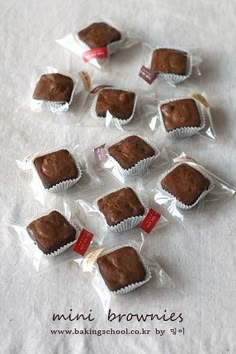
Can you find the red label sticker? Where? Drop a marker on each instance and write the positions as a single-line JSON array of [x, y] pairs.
[[150, 220], [100, 154], [83, 242], [95, 53], [147, 75]]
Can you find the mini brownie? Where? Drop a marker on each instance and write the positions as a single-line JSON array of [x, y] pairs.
[[99, 34], [121, 268], [120, 205], [185, 183], [56, 167], [118, 103], [130, 151], [180, 113], [169, 61], [51, 232], [54, 88]]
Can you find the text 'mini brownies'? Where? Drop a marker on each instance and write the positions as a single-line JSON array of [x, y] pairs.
[[119, 103], [54, 88], [51, 232], [121, 268], [120, 205], [131, 150], [185, 183], [99, 34]]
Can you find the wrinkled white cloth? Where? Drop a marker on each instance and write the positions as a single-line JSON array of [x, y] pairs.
[[199, 259]]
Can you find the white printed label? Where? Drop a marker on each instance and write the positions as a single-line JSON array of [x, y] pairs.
[[90, 259]]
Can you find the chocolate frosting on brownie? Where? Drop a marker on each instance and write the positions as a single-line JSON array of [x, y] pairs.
[[180, 113], [169, 61], [129, 151], [56, 167], [51, 232], [121, 267], [118, 103], [185, 183], [99, 34], [54, 88], [120, 205]]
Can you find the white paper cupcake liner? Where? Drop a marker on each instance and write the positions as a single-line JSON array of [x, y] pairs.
[[116, 120], [178, 203], [126, 224], [61, 186], [141, 166], [184, 132], [60, 250], [54, 107], [175, 79], [128, 288]]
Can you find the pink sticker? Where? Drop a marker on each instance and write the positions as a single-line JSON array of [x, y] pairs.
[[95, 54], [100, 154], [150, 220], [147, 75]]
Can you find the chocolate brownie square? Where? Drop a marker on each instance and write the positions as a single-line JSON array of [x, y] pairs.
[[120, 205], [56, 167], [185, 183], [169, 61], [121, 267], [118, 103], [129, 151], [99, 34], [180, 113], [54, 88], [50, 232]]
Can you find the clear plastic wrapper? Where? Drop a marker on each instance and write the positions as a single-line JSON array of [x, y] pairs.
[[133, 269], [175, 64], [186, 186], [97, 40], [54, 87], [110, 115], [120, 111], [57, 170], [127, 156], [185, 127], [47, 236], [138, 110], [148, 219]]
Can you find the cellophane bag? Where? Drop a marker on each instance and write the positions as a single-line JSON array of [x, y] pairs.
[[97, 40], [120, 267]]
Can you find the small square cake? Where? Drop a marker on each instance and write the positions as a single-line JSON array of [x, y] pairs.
[[185, 183], [129, 151], [121, 268], [118, 103], [169, 61], [98, 35], [180, 113], [120, 205], [54, 88], [56, 167], [50, 232]]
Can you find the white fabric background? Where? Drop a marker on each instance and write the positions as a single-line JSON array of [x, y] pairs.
[[200, 259]]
